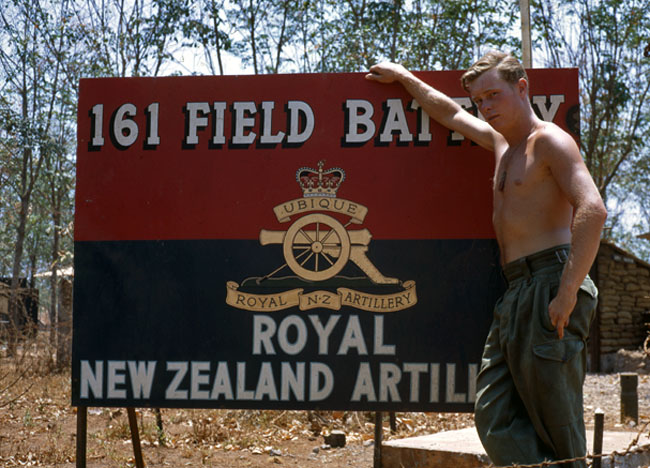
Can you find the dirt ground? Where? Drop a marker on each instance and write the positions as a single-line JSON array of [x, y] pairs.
[[38, 428]]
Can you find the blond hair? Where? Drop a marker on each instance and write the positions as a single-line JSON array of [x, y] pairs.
[[509, 68]]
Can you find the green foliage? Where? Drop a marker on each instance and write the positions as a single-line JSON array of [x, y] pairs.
[[47, 46], [37, 134], [451, 35], [203, 26], [605, 39], [273, 36], [132, 38]]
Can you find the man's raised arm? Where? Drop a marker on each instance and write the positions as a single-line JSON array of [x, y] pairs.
[[437, 105]]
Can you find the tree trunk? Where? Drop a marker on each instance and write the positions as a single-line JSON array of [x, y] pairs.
[[15, 309], [64, 335], [56, 218]]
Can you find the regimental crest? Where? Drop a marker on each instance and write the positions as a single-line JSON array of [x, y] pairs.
[[320, 183], [318, 249]]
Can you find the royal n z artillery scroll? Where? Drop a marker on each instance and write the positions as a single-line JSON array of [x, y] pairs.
[[283, 242]]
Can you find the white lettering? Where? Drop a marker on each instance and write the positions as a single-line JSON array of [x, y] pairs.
[[548, 113], [141, 377], [267, 136], [353, 337], [389, 376], [242, 393], [316, 391], [363, 386], [97, 124], [395, 122], [264, 328], [296, 109], [153, 109], [324, 332], [451, 396], [172, 392], [356, 119], [199, 375], [266, 383], [195, 122], [415, 369], [292, 381], [434, 383], [301, 335], [222, 384], [92, 379], [241, 123], [116, 378], [125, 130], [380, 347], [219, 137], [472, 374]]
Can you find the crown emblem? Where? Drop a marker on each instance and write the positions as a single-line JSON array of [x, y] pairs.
[[320, 183]]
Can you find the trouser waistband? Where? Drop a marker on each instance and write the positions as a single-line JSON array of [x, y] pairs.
[[526, 267]]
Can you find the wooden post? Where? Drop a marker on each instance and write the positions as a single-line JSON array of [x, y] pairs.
[[599, 428], [82, 430], [393, 422], [629, 397], [135, 438], [159, 425], [378, 437], [526, 50]]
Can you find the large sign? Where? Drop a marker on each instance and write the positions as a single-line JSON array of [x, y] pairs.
[[285, 241]]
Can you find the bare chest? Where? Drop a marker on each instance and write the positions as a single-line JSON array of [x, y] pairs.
[[519, 173]]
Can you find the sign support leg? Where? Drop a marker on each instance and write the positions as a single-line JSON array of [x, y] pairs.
[[159, 425], [378, 437], [599, 429], [82, 426], [135, 438]]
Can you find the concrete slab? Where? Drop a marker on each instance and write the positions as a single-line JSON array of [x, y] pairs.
[[463, 449]]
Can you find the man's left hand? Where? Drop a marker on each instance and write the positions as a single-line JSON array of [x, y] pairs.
[[559, 311]]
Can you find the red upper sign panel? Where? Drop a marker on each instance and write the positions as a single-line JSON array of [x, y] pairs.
[[211, 157]]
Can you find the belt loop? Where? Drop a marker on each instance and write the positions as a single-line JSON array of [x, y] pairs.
[[561, 255], [525, 268]]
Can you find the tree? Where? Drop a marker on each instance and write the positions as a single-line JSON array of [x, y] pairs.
[[57, 200], [451, 35], [264, 29], [206, 26], [615, 98], [38, 108], [336, 36], [134, 38], [26, 107]]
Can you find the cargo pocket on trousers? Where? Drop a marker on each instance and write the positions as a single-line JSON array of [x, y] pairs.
[[558, 350], [559, 371]]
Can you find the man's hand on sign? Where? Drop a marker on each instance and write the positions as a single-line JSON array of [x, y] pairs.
[[385, 72]]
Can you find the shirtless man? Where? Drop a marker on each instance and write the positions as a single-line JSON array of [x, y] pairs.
[[548, 216]]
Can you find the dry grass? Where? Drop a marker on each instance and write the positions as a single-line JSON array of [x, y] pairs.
[[38, 427]]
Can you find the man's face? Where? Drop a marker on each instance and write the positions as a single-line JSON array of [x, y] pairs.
[[496, 99]]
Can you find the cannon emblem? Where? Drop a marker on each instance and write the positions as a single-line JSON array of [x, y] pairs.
[[316, 247]]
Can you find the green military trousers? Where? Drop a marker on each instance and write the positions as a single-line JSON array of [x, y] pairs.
[[529, 389]]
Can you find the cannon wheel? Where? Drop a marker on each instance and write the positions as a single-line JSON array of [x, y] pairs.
[[319, 254]]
